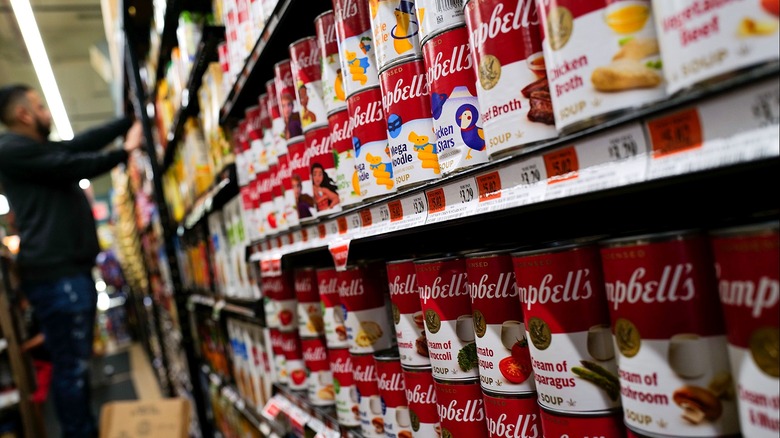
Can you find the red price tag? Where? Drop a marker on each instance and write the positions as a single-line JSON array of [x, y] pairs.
[[322, 231], [436, 201], [489, 186], [342, 223], [365, 217], [561, 165], [675, 133], [396, 210]]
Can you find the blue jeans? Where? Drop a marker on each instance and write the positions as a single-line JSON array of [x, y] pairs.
[[65, 309]]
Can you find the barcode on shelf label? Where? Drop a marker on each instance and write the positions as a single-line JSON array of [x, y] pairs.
[[447, 5], [411, 211], [454, 200]]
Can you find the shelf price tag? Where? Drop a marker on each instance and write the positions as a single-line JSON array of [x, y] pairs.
[[489, 186], [366, 218], [561, 165], [339, 250], [413, 211], [529, 182], [380, 219], [396, 210], [674, 133], [454, 200], [342, 224]]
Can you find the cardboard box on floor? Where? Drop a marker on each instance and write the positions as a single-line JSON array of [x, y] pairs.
[[145, 419]]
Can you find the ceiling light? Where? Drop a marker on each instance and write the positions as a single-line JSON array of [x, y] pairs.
[[84, 184], [4, 207], [40, 60]]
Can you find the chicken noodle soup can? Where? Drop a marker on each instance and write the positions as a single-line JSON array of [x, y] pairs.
[[587, 86], [320, 378], [446, 307], [322, 170], [332, 313], [280, 361], [407, 106], [307, 77], [279, 146], [461, 408], [396, 31], [674, 372], [310, 320], [366, 317], [567, 327], [606, 424], [356, 47], [747, 264], [346, 179], [372, 422], [407, 314], [347, 407], [289, 108], [421, 399], [512, 416], [373, 163], [390, 380], [332, 80], [436, 16]]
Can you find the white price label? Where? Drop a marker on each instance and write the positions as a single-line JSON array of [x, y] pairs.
[[408, 212], [529, 179], [454, 200], [331, 229], [380, 216]]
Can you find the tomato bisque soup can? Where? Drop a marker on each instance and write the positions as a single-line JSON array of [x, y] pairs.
[[407, 314], [372, 421], [332, 314], [747, 265], [461, 408], [279, 146], [390, 379], [446, 307], [307, 77], [454, 105], [421, 400], [366, 317], [588, 86], [674, 372], [310, 320], [293, 355], [567, 327], [289, 108], [320, 378], [373, 162], [512, 415], [703, 43], [332, 80], [322, 170], [407, 106], [514, 96], [280, 362], [396, 31], [347, 408], [347, 181], [356, 46], [607, 424], [437, 16], [279, 289]]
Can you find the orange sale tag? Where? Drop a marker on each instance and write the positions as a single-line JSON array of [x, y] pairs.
[[675, 133], [436, 202], [396, 210], [365, 217], [489, 186], [561, 165], [342, 223]]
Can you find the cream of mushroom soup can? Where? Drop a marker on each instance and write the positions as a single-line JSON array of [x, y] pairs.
[[332, 314], [607, 424], [310, 320], [372, 423], [392, 392], [366, 316], [436, 16], [396, 31], [674, 373], [332, 80], [407, 314], [373, 162], [347, 407], [357, 52], [512, 415], [421, 399], [461, 409], [320, 378]]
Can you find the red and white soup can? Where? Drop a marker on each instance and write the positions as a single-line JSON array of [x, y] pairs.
[[280, 291], [390, 379], [307, 77], [512, 85], [407, 106], [268, 152], [407, 314], [461, 409], [372, 422], [512, 416], [298, 155], [446, 307], [278, 191], [373, 162], [366, 317], [437, 16], [266, 212], [356, 46], [322, 170], [502, 348], [674, 372], [347, 407], [279, 146], [747, 264], [332, 81], [421, 399], [285, 169], [568, 328], [254, 130], [279, 359], [457, 121], [347, 182], [293, 355], [608, 424], [289, 108], [396, 31], [588, 86], [332, 314], [320, 379], [310, 320]]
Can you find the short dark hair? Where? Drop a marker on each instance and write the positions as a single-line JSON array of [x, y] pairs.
[[10, 95]]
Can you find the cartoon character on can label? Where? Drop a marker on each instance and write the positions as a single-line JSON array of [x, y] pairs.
[[467, 117], [426, 151], [339, 86], [405, 28], [383, 172], [359, 66]]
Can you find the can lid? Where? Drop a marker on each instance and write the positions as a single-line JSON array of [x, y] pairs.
[[389, 355], [558, 246], [518, 395], [300, 40], [294, 140], [305, 269], [325, 269], [283, 61], [329, 11], [649, 238], [270, 81], [355, 93], [441, 31], [398, 262], [751, 229], [421, 369], [407, 59], [441, 258]]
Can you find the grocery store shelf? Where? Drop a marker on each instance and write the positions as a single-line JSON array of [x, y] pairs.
[[291, 20], [224, 188], [314, 417], [9, 399]]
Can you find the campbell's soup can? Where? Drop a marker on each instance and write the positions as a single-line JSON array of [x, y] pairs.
[[437, 16], [280, 291], [588, 86], [502, 348], [373, 162], [446, 307], [372, 421], [268, 152], [254, 130], [286, 166], [356, 46], [407, 106], [322, 171], [299, 155], [461, 409], [514, 96], [307, 77], [278, 193], [293, 355], [347, 407], [407, 314], [747, 264], [332, 314], [320, 378], [280, 361], [421, 400], [703, 43], [674, 371], [347, 180], [512, 416], [567, 327], [279, 145], [608, 424], [392, 392], [396, 31], [265, 199], [457, 121], [366, 317], [289, 107], [310, 320], [243, 154], [332, 80]]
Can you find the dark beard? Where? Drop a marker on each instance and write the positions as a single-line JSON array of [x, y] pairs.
[[42, 129]]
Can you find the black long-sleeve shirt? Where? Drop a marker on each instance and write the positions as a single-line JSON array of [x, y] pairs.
[[53, 215]]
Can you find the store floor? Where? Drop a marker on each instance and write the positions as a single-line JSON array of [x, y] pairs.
[[125, 374]]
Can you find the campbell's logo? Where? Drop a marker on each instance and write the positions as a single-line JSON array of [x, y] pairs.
[[345, 9], [470, 412], [253, 125], [502, 22], [273, 285], [525, 426], [403, 286], [285, 171], [329, 34], [758, 297], [504, 287], [315, 354], [286, 81], [310, 57], [675, 285], [340, 132], [372, 113], [459, 60], [299, 160], [266, 183], [303, 284], [391, 382], [401, 91], [328, 286], [439, 291], [342, 365], [418, 395], [364, 373], [575, 287], [319, 146], [351, 288]]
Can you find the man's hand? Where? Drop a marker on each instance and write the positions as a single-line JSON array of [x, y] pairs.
[[134, 138]]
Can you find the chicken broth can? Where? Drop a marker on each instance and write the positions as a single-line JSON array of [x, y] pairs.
[[436, 16], [373, 162], [390, 380], [356, 46], [347, 182], [567, 327], [396, 30], [421, 399], [310, 320], [607, 424], [347, 408], [362, 296], [512, 416], [307, 77], [407, 314], [407, 106], [332, 314], [674, 371], [320, 378], [461, 409], [454, 106], [446, 307], [747, 264], [602, 58], [372, 422], [322, 170], [332, 81]]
